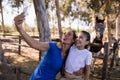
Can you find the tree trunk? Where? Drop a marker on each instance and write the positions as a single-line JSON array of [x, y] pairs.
[[93, 25], [59, 18], [70, 22], [93, 19], [108, 30], [3, 26], [78, 29], [42, 20], [118, 27]]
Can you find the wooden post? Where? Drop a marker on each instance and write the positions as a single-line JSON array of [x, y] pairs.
[[18, 75], [118, 27], [1, 52], [115, 52], [19, 46], [113, 58], [105, 61]]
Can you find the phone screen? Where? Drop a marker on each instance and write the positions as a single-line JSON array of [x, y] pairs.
[[25, 10], [26, 7]]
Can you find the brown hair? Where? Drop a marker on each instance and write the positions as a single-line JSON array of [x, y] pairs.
[[63, 66], [87, 37]]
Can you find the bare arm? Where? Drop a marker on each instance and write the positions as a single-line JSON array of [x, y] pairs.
[[43, 46], [87, 72]]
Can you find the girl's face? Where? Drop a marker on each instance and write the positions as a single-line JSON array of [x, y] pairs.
[[67, 37], [81, 41]]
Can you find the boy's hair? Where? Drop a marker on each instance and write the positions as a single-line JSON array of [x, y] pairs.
[[87, 37]]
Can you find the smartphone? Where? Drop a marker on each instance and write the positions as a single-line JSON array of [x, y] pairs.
[[26, 7], [25, 10]]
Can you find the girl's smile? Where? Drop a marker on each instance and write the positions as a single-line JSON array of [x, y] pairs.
[[81, 41]]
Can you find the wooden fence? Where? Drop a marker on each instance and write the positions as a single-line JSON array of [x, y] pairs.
[[105, 76]]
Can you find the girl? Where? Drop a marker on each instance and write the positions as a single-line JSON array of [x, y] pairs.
[[79, 57], [54, 55]]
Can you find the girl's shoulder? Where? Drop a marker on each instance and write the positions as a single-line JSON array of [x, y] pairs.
[[73, 46], [53, 45], [88, 52]]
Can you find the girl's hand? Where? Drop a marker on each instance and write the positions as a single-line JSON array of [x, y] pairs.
[[19, 20]]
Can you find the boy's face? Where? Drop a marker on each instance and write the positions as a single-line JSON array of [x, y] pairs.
[[81, 40]]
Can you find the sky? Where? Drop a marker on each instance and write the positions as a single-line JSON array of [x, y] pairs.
[[10, 13]]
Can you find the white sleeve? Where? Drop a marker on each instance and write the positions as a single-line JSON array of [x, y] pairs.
[[88, 59], [72, 47]]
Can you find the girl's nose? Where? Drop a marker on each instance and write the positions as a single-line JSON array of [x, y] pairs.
[[65, 35]]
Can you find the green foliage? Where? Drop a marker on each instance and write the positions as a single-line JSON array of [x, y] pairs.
[[65, 7], [96, 4], [46, 3], [100, 7], [104, 6], [9, 29], [16, 3]]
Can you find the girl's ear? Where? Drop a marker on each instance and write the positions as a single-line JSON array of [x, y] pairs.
[[73, 41], [87, 42]]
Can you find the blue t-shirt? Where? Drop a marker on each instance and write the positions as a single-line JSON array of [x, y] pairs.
[[50, 65]]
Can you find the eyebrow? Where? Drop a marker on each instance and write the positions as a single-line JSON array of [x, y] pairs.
[[80, 36]]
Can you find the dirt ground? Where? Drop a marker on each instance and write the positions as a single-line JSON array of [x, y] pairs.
[[29, 59]]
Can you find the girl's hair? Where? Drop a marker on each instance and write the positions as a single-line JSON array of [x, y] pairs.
[[87, 37], [63, 66], [74, 32], [74, 35]]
